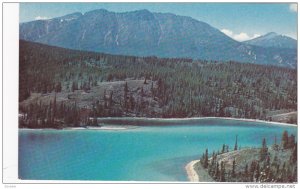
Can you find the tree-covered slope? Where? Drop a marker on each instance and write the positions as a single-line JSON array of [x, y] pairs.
[[97, 84]]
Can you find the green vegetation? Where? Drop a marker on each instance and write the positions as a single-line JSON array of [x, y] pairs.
[[275, 164], [170, 87]]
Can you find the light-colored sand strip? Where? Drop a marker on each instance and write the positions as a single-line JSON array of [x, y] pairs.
[[192, 174], [257, 120], [88, 128], [101, 128], [200, 118], [112, 127]]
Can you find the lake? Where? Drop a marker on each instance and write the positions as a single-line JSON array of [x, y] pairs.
[[149, 153]]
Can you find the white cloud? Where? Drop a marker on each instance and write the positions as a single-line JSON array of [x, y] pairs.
[[293, 7], [41, 18], [240, 36], [255, 36], [227, 32]]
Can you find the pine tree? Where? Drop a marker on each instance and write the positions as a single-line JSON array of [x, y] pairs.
[[246, 173], [125, 96], [236, 143], [283, 173], [270, 176], [110, 101], [131, 102], [104, 99], [223, 149], [222, 172], [275, 145], [263, 150], [213, 159], [284, 140], [293, 157], [277, 169], [202, 158], [257, 173], [291, 141], [295, 174], [217, 172], [233, 168], [205, 164]]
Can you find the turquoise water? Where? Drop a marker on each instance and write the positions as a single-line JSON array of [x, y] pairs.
[[142, 154]]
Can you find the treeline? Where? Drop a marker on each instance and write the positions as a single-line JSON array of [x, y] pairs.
[[53, 115], [182, 87], [263, 169]]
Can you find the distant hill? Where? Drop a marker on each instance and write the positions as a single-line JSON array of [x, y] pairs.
[[273, 40], [143, 33], [83, 84]]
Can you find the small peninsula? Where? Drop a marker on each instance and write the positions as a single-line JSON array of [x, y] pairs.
[[274, 163]]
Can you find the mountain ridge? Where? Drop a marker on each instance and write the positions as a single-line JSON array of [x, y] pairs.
[[274, 40], [144, 33]]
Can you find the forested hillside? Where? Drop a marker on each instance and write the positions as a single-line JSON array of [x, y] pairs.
[[65, 87]]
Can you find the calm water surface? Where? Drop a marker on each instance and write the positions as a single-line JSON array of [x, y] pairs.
[[142, 154]]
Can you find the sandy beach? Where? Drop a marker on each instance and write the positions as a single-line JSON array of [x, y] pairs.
[[126, 127], [192, 174], [201, 118], [89, 128], [108, 127], [201, 175]]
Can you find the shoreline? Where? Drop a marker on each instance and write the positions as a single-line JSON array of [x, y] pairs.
[[112, 128], [192, 174], [202, 118], [108, 127], [126, 127]]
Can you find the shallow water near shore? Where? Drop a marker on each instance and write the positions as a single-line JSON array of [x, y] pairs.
[[152, 153]]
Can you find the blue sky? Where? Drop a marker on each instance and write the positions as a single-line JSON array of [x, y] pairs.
[[240, 21]]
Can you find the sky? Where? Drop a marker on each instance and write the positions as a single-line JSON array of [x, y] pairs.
[[240, 21]]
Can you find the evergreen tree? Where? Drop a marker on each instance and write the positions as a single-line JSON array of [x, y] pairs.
[[223, 149], [222, 172], [263, 150], [202, 158], [205, 164], [295, 174], [125, 96], [291, 141], [131, 102], [283, 173], [217, 172], [293, 157], [246, 173], [233, 168], [275, 145], [284, 140], [257, 173], [236, 143], [110, 102]]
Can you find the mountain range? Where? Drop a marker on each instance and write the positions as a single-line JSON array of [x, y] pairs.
[[273, 39], [144, 33]]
